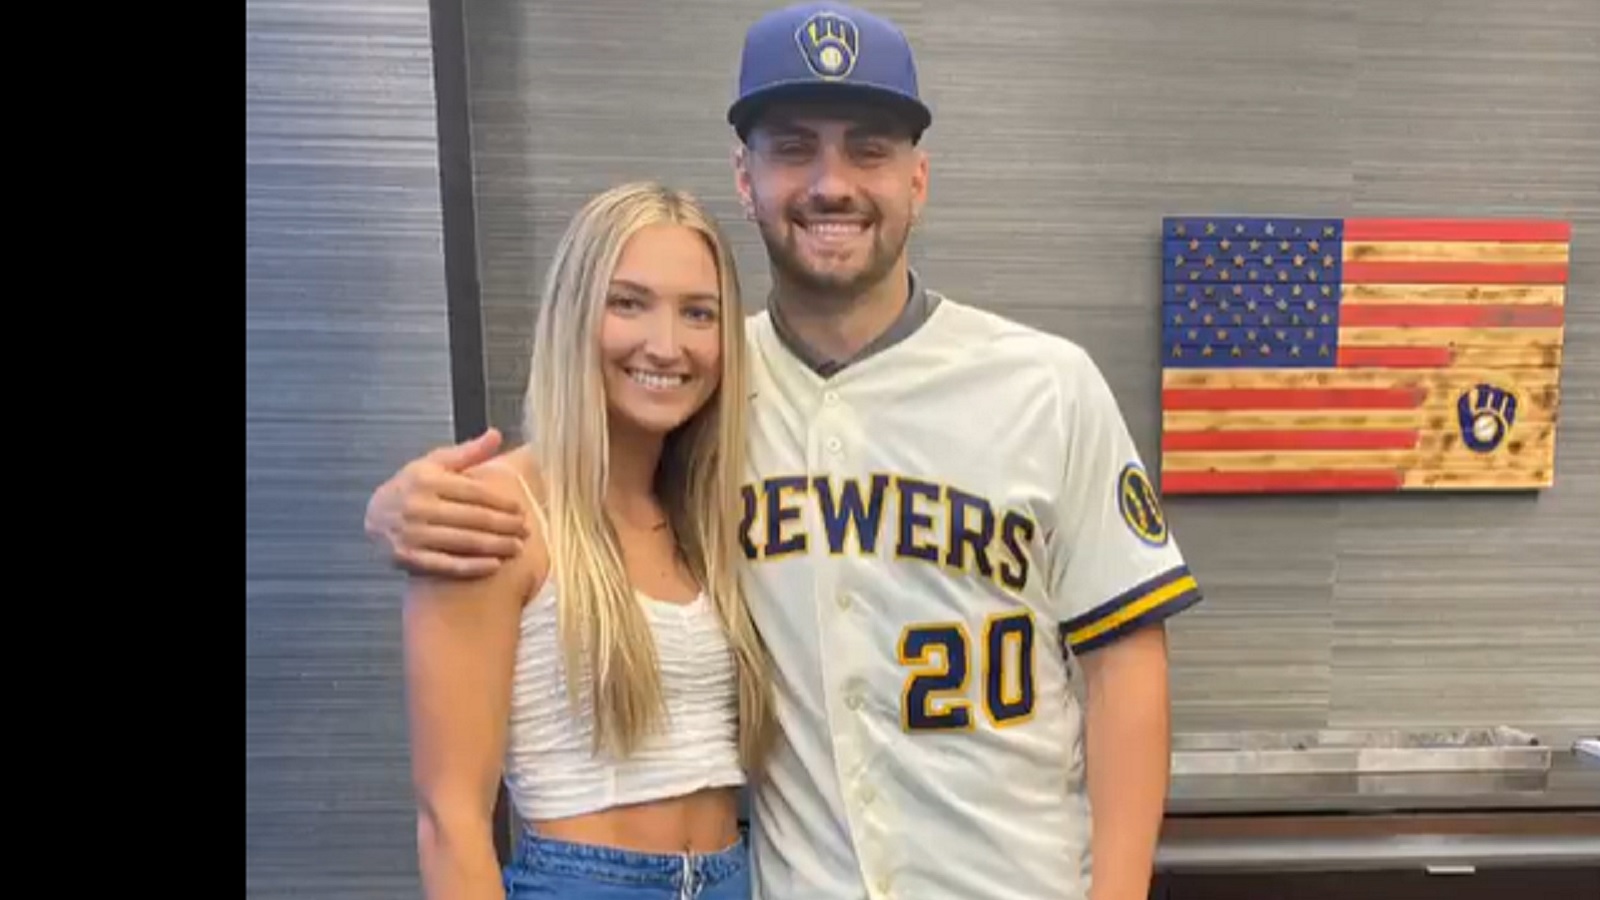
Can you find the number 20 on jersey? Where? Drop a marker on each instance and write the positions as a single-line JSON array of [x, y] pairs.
[[951, 673]]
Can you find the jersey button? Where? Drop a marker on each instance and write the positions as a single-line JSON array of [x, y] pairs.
[[834, 445], [844, 601], [830, 398]]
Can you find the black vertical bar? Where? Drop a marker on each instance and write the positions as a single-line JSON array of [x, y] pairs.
[[464, 299], [468, 371]]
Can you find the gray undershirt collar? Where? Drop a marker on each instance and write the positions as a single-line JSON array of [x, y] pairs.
[[919, 307]]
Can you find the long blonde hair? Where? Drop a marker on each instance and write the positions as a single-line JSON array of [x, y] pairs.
[[606, 638]]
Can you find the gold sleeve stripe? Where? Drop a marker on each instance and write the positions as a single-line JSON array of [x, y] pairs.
[[1152, 600]]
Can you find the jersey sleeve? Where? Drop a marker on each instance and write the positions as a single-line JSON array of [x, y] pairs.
[[1114, 564]]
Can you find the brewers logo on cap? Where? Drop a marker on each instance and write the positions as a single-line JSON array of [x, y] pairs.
[[829, 42]]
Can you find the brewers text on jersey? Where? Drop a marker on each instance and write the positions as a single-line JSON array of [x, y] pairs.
[[938, 524]]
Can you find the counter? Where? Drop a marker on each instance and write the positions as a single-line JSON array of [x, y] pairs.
[[1540, 825], [1572, 782]]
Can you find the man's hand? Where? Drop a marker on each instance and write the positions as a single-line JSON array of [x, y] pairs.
[[435, 520]]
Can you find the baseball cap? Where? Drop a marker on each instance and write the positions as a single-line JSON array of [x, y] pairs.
[[826, 51]]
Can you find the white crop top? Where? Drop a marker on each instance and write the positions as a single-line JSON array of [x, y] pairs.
[[551, 767]]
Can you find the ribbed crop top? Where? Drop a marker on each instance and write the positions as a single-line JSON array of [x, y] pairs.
[[551, 767]]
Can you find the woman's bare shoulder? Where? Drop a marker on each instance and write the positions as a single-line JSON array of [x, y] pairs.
[[512, 474], [516, 474]]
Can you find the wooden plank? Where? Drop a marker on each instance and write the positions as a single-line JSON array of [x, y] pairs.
[[1439, 448], [1471, 294], [1527, 457], [1459, 480], [1376, 357], [1456, 230], [1395, 357], [1444, 450], [1454, 272], [1417, 315], [1547, 356], [1346, 481], [1375, 420], [1525, 378], [1297, 398], [1454, 251], [1379, 336], [1231, 439], [1538, 399]]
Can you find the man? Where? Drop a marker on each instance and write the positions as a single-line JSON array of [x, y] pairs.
[[940, 502]]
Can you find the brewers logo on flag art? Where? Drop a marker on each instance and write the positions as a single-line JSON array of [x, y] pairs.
[[1346, 355]]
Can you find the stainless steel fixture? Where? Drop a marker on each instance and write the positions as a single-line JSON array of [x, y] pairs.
[[1496, 749]]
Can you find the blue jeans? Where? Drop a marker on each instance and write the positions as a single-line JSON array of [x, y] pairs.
[[542, 867]]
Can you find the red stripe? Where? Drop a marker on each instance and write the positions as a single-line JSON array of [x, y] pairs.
[[1292, 398], [1395, 357], [1521, 230], [1356, 272], [1454, 315], [1282, 439], [1272, 482]]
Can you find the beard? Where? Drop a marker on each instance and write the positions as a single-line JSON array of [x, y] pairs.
[[782, 237]]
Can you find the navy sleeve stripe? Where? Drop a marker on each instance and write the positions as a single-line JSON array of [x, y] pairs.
[[1151, 601]]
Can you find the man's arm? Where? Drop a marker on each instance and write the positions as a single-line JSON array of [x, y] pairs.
[[1128, 758], [1116, 575], [460, 641], [432, 519]]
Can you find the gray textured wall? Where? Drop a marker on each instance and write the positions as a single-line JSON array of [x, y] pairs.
[[1065, 130], [347, 374]]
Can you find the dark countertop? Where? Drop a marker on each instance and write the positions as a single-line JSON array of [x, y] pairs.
[[1572, 783]]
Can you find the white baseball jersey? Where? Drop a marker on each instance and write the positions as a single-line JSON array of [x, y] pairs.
[[925, 531]]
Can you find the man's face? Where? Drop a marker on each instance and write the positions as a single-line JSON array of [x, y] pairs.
[[834, 191]]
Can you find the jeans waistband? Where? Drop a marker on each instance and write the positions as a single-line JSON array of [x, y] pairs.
[[681, 871]]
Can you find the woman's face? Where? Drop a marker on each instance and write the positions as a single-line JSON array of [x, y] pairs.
[[661, 331]]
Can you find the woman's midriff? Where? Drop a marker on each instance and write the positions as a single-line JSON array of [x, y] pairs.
[[703, 822]]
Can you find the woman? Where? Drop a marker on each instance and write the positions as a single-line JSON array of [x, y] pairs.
[[609, 675]]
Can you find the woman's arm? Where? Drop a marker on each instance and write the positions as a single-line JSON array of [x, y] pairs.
[[460, 646]]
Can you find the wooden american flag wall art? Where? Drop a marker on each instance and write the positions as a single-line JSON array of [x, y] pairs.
[[1360, 355]]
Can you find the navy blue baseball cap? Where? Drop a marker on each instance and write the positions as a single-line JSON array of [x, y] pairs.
[[827, 51]]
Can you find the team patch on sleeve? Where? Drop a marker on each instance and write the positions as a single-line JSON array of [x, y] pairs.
[[1150, 601], [1140, 507]]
